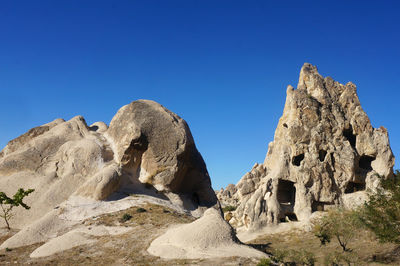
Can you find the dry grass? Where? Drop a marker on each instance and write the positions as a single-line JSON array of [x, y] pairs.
[[130, 248], [365, 249], [126, 249]]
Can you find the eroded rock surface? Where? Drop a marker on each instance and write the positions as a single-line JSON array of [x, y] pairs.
[[156, 147], [324, 150], [147, 148], [209, 236]]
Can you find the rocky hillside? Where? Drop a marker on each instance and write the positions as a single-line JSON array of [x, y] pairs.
[[146, 148], [85, 174], [325, 153]]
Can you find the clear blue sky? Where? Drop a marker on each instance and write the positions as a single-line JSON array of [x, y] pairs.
[[221, 65]]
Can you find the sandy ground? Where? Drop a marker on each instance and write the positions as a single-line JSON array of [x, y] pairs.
[[366, 250], [147, 222]]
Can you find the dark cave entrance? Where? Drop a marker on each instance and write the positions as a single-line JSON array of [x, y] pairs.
[[348, 134], [354, 187], [365, 162], [362, 169], [297, 159], [322, 155], [288, 217], [319, 206], [286, 197], [196, 198], [286, 192]]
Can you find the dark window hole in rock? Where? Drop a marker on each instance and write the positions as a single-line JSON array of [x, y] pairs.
[[297, 159], [333, 160], [354, 187], [196, 198], [286, 192], [289, 217], [365, 162], [348, 134], [318, 206], [93, 128], [107, 154], [285, 125], [322, 155]]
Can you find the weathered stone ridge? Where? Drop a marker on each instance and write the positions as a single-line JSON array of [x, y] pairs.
[[325, 153], [146, 149], [156, 147]]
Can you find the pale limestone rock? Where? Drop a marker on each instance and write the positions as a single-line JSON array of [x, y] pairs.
[[324, 150], [77, 237], [102, 184], [100, 127], [155, 146], [65, 158], [209, 236], [54, 163]]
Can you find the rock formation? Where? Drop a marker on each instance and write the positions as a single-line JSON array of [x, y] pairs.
[[146, 148], [325, 153], [209, 236], [82, 172]]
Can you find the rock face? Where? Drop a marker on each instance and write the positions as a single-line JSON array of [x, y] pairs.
[[325, 153], [146, 148], [209, 236], [156, 147]]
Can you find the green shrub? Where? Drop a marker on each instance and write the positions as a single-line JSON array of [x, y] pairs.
[[126, 217], [340, 258], [302, 257], [381, 214], [264, 262], [279, 255], [7, 204], [338, 224], [228, 208], [139, 210], [291, 256]]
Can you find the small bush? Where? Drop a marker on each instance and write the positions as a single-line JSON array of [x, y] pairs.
[[139, 210], [279, 255], [7, 204], [228, 208], [264, 262], [381, 214], [302, 257], [126, 217], [340, 258], [342, 225], [293, 257]]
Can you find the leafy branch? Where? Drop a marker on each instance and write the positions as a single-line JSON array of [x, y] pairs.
[[7, 204]]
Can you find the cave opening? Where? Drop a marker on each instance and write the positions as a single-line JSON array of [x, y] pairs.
[[365, 162], [348, 134], [195, 198], [286, 195], [289, 217], [297, 159], [286, 192], [322, 155], [318, 206], [354, 187]]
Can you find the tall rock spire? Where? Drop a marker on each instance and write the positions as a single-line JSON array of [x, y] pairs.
[[325, 153]]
